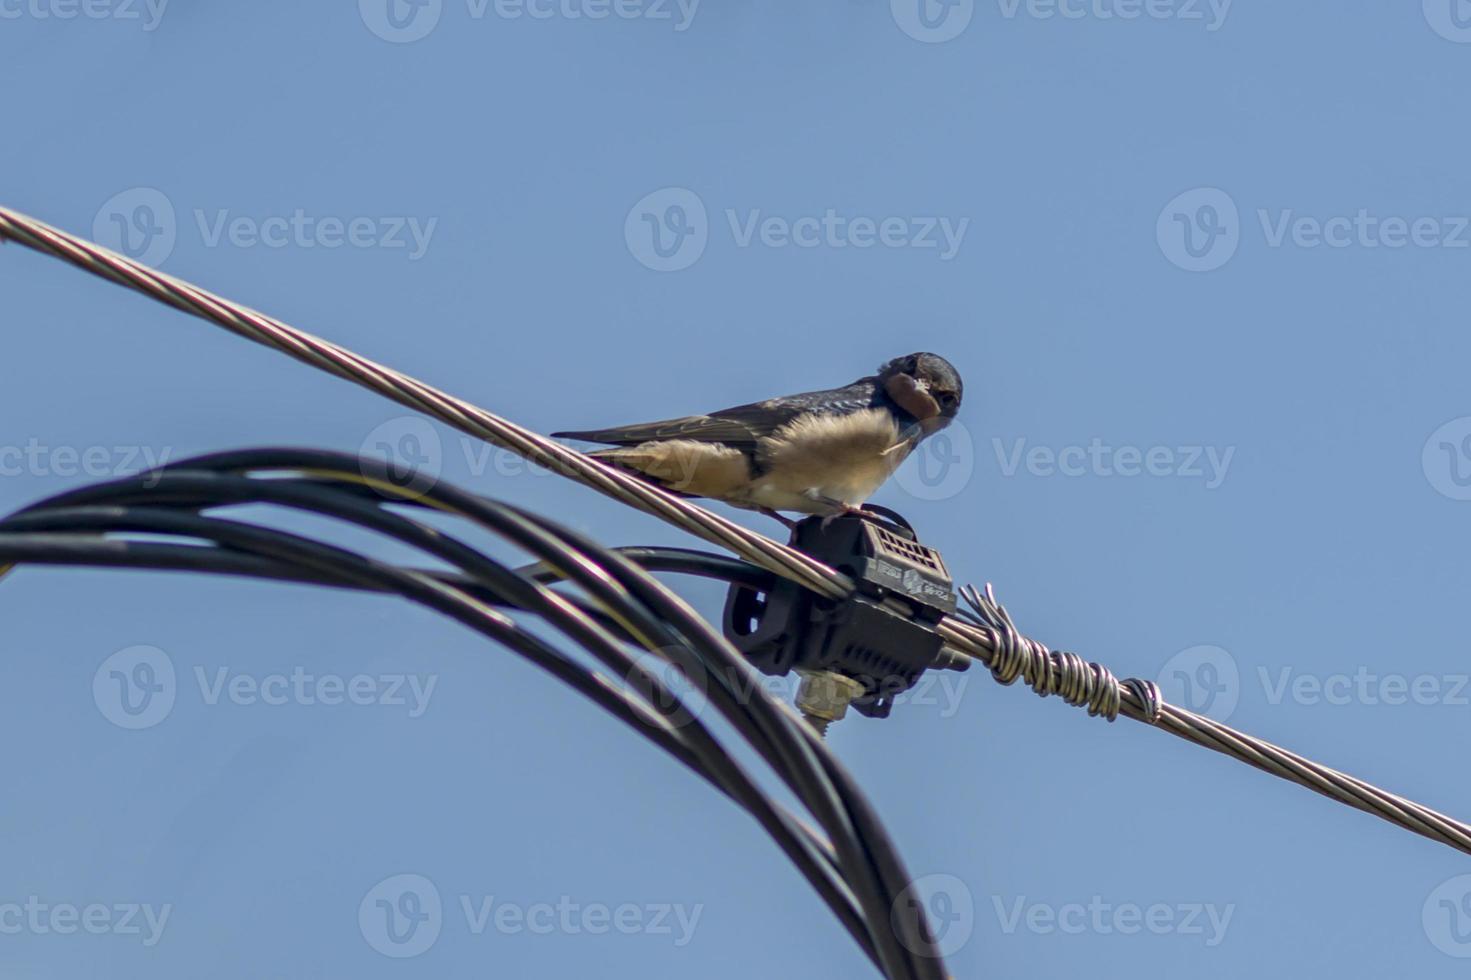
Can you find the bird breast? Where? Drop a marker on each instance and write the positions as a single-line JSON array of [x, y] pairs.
[[841, 457]]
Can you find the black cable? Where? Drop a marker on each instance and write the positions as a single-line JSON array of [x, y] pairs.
[[89, 550], [787, 744], [722, 770], [651, 558], [784, 741], [798, 746], [685, 561]]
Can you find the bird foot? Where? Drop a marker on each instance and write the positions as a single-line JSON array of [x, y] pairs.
[[850, 510], [775, 516]]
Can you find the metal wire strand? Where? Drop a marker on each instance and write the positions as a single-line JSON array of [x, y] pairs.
[[415, 394], [997, 645], [1077, 681], [1093, 685]]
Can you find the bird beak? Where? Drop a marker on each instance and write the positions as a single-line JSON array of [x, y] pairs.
[[908, 395]]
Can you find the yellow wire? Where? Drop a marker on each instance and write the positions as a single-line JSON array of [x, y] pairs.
[[382, 486]]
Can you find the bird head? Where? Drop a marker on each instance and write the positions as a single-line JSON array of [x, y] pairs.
[[926, 386]]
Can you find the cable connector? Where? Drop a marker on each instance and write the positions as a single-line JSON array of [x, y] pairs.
[[882, 637], [824, 696]]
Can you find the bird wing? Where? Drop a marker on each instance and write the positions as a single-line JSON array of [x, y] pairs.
[[740, 427]]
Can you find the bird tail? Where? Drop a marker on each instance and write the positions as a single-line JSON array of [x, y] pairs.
[[589, 436], [696, 469]]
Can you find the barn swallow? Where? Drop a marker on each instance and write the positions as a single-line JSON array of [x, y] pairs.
[[819, 452]]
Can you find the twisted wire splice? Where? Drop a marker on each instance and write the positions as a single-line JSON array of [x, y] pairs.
[[1079, 682]]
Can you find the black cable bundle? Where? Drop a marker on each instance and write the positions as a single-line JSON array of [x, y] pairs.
[[617, 605]]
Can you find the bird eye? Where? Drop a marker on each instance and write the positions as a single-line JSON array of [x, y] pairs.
[[947, 400]]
